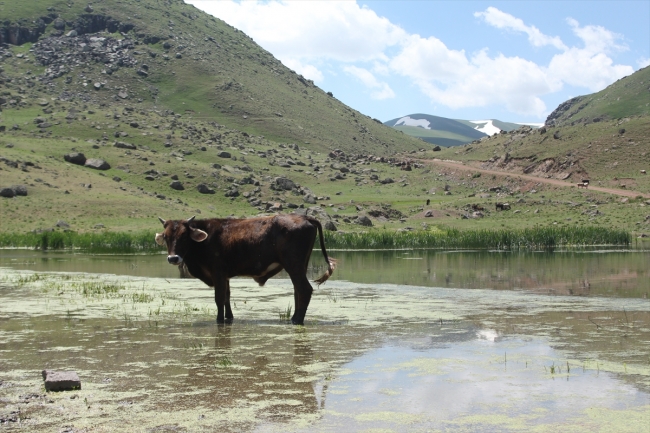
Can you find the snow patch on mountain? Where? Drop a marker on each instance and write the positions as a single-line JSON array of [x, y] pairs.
[[486, 127], [409, 121]]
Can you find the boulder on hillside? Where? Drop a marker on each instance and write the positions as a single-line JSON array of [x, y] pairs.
[[123, 145], [177, 185], [284, 184], [7, 192], [204, 189], [75, 158], [97, 164], [19, 190], [329, 225], [224, 154], [364, 221]]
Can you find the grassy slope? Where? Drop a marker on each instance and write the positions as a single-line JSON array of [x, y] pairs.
[[627, 97], [223, 85]]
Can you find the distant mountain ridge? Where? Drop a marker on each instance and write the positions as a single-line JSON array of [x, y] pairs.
[[450, 132]]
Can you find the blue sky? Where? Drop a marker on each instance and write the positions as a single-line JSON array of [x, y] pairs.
[[509, 60]]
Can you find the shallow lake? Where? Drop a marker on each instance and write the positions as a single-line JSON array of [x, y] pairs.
[[416, 340]]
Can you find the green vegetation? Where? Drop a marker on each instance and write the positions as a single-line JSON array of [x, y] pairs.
[[226, 94], [538, 237], [90, 242]]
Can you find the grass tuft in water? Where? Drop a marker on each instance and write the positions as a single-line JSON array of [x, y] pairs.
[[286, 314]]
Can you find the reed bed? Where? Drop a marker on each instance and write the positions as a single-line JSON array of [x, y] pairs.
[[108, 242], [531, 238]]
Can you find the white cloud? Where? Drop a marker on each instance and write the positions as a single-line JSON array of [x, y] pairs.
[[304, 69], [451, 79], [503, 20], [380, 90], [643, 63], [345, 36], [589, 66], [297, 31]]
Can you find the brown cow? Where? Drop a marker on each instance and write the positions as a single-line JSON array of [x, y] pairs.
[[215, 250]]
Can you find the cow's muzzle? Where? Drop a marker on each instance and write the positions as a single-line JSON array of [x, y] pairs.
[[174, 260]]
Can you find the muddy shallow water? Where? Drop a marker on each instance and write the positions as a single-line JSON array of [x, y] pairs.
[[371, 357]]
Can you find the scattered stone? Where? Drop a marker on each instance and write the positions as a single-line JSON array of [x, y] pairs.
[[97, 164], [123, 145], [99, 226], [75, 158], [61, 380], [7, 192], [177, 185], [204, 189], [20, 190], [364, 221], [428, 214], [329, 225], [284, 184], [274, 207], [62, 224], [386, 181], [224, 154]]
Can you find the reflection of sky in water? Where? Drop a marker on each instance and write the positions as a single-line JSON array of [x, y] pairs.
[[441, 384]]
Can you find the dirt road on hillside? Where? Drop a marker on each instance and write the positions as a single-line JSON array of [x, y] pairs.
[[460, 166]]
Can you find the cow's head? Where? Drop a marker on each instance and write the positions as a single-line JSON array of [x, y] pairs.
[[179, 235]]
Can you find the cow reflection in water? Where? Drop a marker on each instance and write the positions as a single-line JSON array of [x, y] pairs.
[[215, 250], [249, 368]]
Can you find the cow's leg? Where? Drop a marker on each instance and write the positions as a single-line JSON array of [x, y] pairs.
[[302, 291], [229, 315], [220, 289]]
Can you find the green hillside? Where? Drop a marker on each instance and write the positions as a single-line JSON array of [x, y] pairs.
[[604, 137], [196, 65], [435, 129], [629, 96], [181, 114]]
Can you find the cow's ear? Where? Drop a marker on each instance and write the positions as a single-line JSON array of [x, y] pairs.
[[198, 235], [159, 239]]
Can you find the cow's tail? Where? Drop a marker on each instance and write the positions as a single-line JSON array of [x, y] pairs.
[[331, 263]]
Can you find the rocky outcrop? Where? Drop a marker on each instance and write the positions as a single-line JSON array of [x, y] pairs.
[[18, 33], [562, 109]]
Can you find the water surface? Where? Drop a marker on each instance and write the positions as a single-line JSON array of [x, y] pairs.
[[390, 344]]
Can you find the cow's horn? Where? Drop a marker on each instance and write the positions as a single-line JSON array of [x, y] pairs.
[[162, 220], [191, 219]]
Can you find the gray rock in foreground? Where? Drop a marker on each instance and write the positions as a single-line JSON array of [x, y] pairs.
[[61, 380], [97, 164], [7, 192], [75, 158]]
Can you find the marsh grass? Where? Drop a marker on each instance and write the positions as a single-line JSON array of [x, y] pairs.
[[286, 314], [503, 239], [223, 362], [90, 242], [538, 237]]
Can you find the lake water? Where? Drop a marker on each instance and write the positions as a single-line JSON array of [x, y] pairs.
[[396, 341]]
